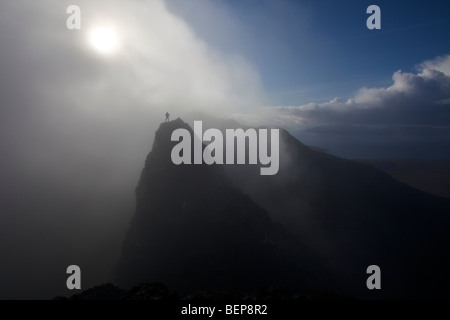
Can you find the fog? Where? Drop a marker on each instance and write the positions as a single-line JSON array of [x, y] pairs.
[[76, 126]]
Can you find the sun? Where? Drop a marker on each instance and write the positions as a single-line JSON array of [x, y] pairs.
[[104, 40]]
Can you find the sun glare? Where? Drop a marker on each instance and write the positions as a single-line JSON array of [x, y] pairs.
[[104, 40]]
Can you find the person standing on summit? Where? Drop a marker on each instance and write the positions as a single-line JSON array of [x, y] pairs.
[[167, 117]]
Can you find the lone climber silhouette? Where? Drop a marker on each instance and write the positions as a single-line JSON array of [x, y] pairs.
[[167, 117]]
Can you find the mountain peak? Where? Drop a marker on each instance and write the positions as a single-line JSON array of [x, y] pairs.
[[193, 231]]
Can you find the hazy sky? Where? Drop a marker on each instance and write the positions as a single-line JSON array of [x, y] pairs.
[[76, 123], [373, 93], [312, 51]]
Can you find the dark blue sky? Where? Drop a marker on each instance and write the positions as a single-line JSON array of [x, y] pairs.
[[311, 51]]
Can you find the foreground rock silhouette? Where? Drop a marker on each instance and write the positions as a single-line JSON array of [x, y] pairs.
[[158, 292]]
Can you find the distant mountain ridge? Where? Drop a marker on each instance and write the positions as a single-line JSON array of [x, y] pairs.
[[429, 176]]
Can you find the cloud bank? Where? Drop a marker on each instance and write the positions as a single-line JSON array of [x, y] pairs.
[[420, 98]]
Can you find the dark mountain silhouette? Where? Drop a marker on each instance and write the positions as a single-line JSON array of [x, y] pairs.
[[426, 175], [355, 216], [317, 224], [193, 231]]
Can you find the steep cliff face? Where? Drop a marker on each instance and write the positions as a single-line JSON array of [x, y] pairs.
[[193, 231]]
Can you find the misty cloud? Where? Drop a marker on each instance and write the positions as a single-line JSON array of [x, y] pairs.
[[408, 119], [76, 127]]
